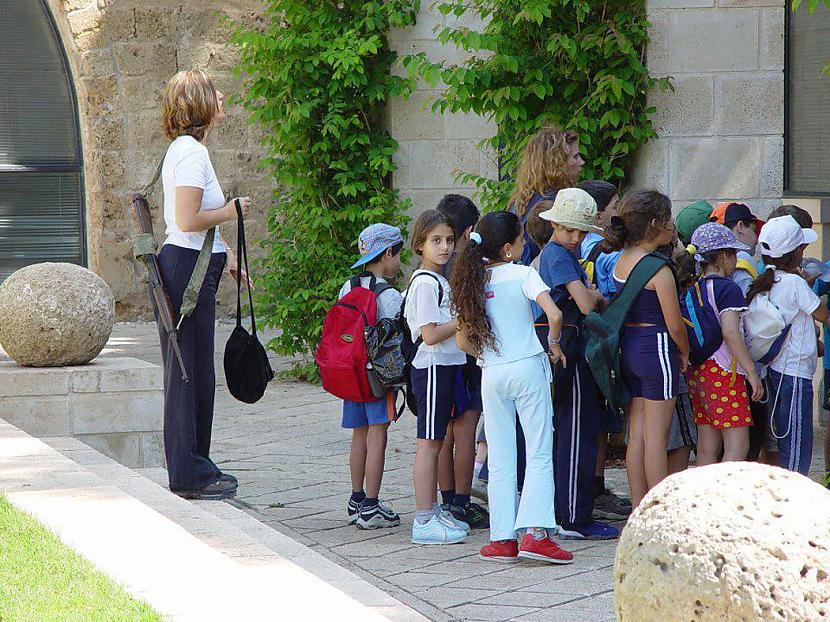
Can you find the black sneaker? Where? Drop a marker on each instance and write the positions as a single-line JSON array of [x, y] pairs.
[[376, 517], [214, 492], [353, 510], [472, 514], [609, 506], [227, 477]]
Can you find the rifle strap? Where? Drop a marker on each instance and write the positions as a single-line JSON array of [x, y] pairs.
[[146, 190], [194, 285]]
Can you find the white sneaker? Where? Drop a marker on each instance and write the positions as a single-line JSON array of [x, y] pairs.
[[436, 531], [451, 521]]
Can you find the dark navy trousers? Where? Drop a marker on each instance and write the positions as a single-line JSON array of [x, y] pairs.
[[188, 407], [576, 422]]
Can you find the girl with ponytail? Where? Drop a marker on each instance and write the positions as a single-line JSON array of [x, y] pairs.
[[491, 301]]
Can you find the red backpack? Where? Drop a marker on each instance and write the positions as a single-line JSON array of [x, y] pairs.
[[342, 357]]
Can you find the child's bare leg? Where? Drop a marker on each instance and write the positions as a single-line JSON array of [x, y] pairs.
[[657, 416], [375, 458], [735, 444], [709, 441], [446, 460], [425, 473], [357, 458], [464, 430], [678, 459], [635, 453]]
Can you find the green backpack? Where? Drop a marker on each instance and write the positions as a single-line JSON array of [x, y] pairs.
[[602, 347]]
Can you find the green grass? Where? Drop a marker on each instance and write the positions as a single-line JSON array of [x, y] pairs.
[[42, 580]]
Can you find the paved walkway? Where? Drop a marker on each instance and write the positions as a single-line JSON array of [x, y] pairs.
[[291, 458]]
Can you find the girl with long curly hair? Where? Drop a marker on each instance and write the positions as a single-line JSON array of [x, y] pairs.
[[491, 300], [550, 161]]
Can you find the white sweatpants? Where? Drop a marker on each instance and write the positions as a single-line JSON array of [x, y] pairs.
[[522, 386]]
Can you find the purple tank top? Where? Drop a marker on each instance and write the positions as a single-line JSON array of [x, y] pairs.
[[646, 308]]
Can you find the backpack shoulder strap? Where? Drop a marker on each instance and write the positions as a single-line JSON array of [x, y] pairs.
[[596, 251], [746, 265], [437, 280], [642, 273]]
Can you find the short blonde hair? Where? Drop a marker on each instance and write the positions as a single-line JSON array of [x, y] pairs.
[[189, 104]]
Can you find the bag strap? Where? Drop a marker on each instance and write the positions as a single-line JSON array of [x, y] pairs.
[[437, 280], [242, 254]]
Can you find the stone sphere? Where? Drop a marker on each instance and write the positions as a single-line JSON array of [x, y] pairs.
[[730, 542], [55, 314]]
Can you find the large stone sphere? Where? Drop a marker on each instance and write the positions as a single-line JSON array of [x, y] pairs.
[[725, 543], [54, 314]]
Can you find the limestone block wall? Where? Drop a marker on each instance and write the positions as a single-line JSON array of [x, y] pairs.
[[434, 146], [121, 53], [721, 130]]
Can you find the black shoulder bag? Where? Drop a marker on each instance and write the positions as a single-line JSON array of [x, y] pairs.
[[247, 369]]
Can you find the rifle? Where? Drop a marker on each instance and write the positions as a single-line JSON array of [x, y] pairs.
[[145, 248]]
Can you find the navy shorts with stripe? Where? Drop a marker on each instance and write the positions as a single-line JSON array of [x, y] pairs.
[[649, 362], [434, 389]]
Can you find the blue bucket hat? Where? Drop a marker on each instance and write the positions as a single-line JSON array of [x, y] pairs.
[[714, 237], [374, 240]]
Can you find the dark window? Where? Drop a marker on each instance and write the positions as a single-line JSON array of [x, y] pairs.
[[41, 192], [808, 102]]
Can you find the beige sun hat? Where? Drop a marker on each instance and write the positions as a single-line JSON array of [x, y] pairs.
[[575, 209]]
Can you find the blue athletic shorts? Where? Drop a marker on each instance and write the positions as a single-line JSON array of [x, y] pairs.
[[361, 414], [434, 389], [649, 362]]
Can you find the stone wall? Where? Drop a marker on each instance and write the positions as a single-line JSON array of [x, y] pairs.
[[120, 55], [721, 130], [434, 147]]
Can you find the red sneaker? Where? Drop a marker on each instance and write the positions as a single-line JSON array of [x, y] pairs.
[[544, 550], [505, 551]]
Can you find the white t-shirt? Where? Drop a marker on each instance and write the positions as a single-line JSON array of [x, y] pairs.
[[507, 296], [796, 302], [422, 308], [187, 163], [388, 303]]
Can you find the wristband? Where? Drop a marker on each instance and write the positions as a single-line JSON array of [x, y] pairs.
[[554, 342]]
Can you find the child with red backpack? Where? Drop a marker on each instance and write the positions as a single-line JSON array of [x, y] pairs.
[[370, 298]]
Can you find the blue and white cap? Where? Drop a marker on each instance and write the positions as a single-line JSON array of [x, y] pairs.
[[374, 240]]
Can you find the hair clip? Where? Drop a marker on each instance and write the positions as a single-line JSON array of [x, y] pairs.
[[691, 249], [475, 236]]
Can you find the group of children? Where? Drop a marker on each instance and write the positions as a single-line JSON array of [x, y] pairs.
[[496, 312]]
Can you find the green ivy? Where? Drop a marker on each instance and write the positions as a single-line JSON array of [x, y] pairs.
[[316, 78], [578, 64]]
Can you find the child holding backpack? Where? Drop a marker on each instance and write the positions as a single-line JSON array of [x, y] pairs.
[[492, 301], [789, 379], [577, 409], [718, 385], [380, 248], [434, 372], [654, 345]]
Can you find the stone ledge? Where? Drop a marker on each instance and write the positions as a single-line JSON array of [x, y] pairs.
[[113, 404]]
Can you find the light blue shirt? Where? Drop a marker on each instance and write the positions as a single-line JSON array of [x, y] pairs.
[[603, 266], [822, 288], [507, 295]]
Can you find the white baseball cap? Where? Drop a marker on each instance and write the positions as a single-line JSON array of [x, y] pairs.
[[783, 235]]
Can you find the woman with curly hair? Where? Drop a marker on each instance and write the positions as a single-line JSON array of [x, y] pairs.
[[491, 300], [550, 161]]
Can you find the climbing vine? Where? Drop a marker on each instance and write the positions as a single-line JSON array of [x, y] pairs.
[[316, 78], [578, 64]]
